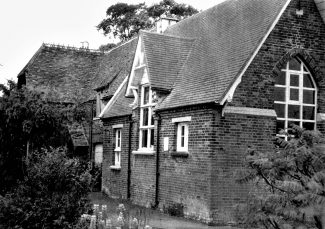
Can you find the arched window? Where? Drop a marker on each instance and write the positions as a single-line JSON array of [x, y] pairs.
[[295, 97]]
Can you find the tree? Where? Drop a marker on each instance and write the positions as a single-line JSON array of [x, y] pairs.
[[54, 193], [293, 182], [28, 121], [125, 21], [107, 47]]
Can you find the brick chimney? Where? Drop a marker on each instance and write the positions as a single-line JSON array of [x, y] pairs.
[[164, 22]]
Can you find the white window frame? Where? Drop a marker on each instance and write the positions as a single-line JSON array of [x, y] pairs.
[[299, 102], [180, 135], [150, 125], [118, 146]]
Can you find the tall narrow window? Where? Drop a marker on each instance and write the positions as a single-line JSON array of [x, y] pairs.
[[117, 150], [146, 120], [295, 97], [182, 137]]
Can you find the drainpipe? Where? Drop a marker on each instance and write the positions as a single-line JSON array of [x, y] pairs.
[[91, 158], [129, 158], [157, 162]]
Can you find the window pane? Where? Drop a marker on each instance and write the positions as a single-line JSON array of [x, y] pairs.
[[145, 113], [118, 138], [293, 111], [290, 123], [152, 139], [279, 94], [281, 79], [294, 94], [280, 126], [308, 125], [152, 119], [144, 138], [294, 64], [182, 136], [307, 81], [146, 95], [308, 113], [279, 109], [309, 97], [294, 80]]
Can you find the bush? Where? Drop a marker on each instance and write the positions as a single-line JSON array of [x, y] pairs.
[[291, 182], [54, 193]]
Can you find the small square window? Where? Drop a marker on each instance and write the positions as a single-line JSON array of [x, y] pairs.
[[182, 137]]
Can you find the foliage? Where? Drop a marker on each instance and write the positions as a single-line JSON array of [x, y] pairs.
[[290, 181], [28, 122], [107, 47], [125, 21], [53, 194]]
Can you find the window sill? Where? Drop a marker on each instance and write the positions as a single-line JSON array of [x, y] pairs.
[[180, 154], [143, 152], [115, 167], [117, 150]]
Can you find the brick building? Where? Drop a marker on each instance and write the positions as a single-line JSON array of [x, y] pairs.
[[201, 93], [67, 75]]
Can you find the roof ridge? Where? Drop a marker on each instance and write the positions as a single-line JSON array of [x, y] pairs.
[[72, 48], [120, 45], [196, 15], [168, 35]]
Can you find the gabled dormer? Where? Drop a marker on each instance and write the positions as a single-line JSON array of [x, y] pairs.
[[139, 72], [157, 63]]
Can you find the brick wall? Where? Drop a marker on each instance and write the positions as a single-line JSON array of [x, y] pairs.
[[303, 37], [234, 135], [143, 176], [186, 180], [114, 182]]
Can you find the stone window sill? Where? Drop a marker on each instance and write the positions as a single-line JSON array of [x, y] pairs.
[[115, 167], [180, 154], [143, 152]]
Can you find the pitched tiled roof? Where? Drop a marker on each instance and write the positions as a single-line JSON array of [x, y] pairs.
[[226, 37], [165, 56], [120, 105], [116, 64], [321, 7], [62, 73]]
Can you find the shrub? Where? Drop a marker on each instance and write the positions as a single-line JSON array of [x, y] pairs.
[[54, 193], [291, 182]]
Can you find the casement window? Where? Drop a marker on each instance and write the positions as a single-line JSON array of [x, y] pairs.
[[118, 144], [182, 137], [146, 136], [295, 97]]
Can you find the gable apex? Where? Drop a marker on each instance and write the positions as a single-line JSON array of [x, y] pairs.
[[139, 73]]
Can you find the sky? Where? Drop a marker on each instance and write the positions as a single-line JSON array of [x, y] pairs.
[[25, 25]]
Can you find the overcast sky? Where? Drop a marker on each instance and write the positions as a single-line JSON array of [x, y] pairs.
[[26, 24]]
